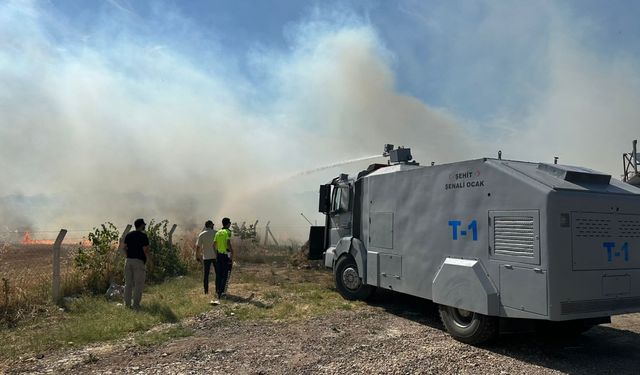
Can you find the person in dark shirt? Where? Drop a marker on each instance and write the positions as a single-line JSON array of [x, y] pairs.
[[136, 246]]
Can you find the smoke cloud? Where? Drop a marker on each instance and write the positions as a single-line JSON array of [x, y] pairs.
[[579, 98], [126, 119]]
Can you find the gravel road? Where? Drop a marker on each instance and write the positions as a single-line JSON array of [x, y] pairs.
[[391, 335]]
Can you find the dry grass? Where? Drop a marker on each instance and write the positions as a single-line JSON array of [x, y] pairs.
[[88, 319], [265, 291], [282, 293], [25, 273], [253, 252], [25, 290], [187, 245], [25, 279], [268, 283], [245, 251]]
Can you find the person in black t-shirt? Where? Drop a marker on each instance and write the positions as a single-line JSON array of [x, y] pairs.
[[136, 245]]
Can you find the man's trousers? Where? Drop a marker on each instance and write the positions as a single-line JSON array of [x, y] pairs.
[[222, 273]]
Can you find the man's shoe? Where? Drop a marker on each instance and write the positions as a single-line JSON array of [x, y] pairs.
[[214, 302]]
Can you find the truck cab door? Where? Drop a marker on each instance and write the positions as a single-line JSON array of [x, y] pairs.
[[340, 216]]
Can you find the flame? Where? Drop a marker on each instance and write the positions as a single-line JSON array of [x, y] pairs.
[[27, 240]]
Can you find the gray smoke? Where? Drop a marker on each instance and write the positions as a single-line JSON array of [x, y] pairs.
[[110, 128], [119, 123]]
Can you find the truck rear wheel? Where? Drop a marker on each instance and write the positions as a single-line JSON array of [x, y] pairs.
[[467, 326], [348, 282]]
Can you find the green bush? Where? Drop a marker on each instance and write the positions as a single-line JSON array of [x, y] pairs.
[[100, 263], [244, 232], [165, 257]]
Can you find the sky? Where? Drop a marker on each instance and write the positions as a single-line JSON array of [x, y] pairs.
[[189, 110]]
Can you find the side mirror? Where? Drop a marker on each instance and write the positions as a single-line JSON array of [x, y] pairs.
[[324, 204]]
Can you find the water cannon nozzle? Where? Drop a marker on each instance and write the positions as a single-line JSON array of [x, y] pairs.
[[387, 149]]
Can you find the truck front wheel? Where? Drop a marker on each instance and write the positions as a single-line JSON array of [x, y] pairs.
[[348, 282], [467, 326]]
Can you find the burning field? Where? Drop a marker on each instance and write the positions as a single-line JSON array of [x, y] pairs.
[[29, 252], [28, 240]]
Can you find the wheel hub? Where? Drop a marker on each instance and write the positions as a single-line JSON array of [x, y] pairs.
[[462, 317], [350, 278]]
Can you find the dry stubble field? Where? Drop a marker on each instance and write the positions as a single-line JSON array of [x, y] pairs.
[[32, 259]]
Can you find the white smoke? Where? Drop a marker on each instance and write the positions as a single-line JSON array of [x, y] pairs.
[[123, 122], [113, 126]]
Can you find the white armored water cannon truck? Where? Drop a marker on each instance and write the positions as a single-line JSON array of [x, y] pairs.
[[490, 241]]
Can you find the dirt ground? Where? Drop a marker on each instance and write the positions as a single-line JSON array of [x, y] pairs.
[[390, 335]]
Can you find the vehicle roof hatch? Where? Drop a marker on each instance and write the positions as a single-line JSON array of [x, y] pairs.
[[576, 175]]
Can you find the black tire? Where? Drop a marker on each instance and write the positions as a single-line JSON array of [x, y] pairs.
[[467, 326], [348, 283]]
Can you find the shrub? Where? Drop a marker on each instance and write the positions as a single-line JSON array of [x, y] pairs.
[[100, 263], [244, 232], [165, 257]]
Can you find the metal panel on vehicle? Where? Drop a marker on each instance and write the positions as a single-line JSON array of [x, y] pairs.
[[616, 285], [381, 230], [532, 298], [372, 268], [515, 236], [605, 241], [390, 270]]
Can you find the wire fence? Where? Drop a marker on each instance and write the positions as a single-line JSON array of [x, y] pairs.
[[34, 235]]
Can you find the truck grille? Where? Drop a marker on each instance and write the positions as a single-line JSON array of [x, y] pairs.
[[514, 236]]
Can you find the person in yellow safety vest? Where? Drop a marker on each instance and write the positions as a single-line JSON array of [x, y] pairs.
[[224, 252]]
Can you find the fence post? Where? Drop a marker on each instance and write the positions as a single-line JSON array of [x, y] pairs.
[[256, 238], [272, 237], [173, 228], [266, 233], [55, 279]]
